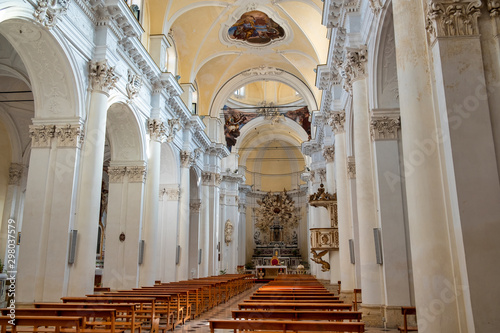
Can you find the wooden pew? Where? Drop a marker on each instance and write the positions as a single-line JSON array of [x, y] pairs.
[[297, 315], [34, 324], [293, 301], [104, 319], [285, 326], [407, 311], [294, 298], [294, 306], [125, 313]]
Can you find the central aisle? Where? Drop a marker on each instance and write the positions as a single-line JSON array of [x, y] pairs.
[[223, 311]]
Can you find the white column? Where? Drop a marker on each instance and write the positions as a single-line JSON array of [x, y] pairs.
[[437, 293], [194, 237], [150, 228], [123, 226], [183, 220], [10, 211], [214, 222], [353, 217], [204, 238], [242, 234], [330, 186], [469, 154], [230, 237], [384, 126], [81, 279], [367, 210], [347, 276], [168, 213]]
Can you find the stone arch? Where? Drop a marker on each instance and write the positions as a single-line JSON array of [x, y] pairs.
[[261, 74], [382, 64], [125, 134], [51, 69]]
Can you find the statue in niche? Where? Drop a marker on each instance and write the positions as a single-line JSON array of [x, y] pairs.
[[295, 240], [228, 232]]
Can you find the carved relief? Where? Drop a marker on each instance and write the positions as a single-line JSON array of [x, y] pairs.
[[134, 84], [322, 175], [337, 121], [102, 76], [384, 128], [116, 173], [453, 18], [15, 173], [263, 70], [375, 6], [173, 194], [69, 136], [354, 67], [228, 232], [48, 12], [173, 126], [325, 266], [41, 135], [329, 153], [136, 174]]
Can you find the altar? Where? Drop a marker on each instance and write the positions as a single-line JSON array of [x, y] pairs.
[[270, 272]]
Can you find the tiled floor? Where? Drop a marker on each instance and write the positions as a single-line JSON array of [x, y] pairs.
[[223, 311]]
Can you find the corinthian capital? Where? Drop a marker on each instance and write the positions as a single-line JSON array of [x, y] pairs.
[[157, 130], [186, 158], [494, 8], [69, 136], [102, 76], [41, 135], [453, 18], [329, 153], [384, 128], [354, 66], [337, 121], [48, 12]]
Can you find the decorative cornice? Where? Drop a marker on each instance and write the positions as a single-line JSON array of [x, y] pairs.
[[337, 121], [351, 167], [456, 18], [15, 173], [41, 135], [48, 12], [329, 153], [136, 174], [354, 66], [384, 128], [116, 173], [186, 158], [102, 77], [134, 84], [69, 136]]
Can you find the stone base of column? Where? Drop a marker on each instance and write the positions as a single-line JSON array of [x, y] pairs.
[[394, 318], [347, 296], [372, 314]]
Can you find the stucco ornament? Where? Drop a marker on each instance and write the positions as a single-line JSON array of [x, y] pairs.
[[228, 232]]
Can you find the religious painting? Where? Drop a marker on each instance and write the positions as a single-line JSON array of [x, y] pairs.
[[256, 27]]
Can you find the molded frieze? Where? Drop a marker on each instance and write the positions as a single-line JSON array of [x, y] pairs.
[[116, 173], [452, 18], [195, 206], [136, 174]]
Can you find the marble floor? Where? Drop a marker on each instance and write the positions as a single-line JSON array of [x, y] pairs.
[[223, 311]]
